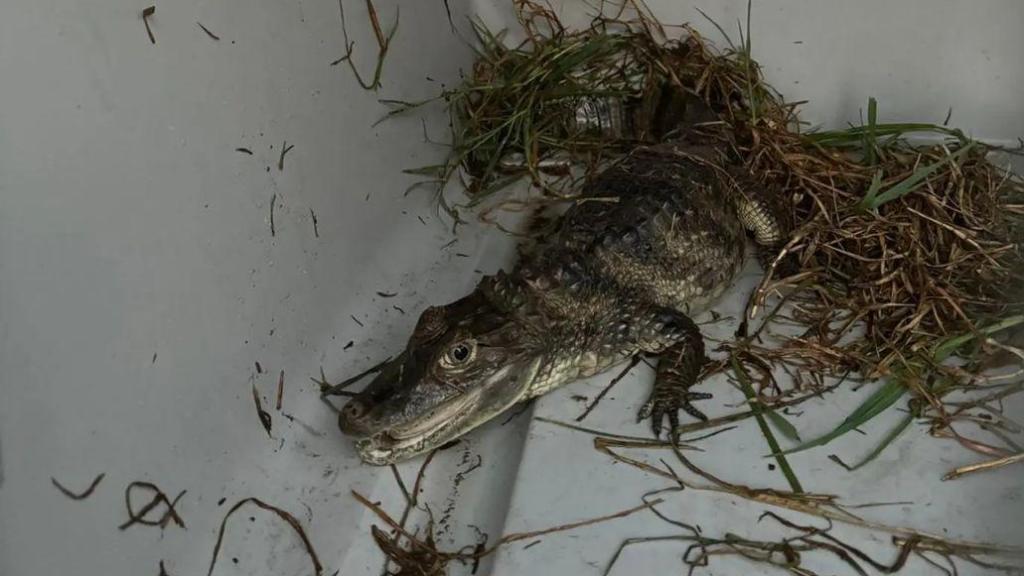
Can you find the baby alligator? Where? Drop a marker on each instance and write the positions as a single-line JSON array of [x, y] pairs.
[[653, 239]]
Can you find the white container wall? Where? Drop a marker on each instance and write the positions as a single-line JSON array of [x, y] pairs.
[[160, 256]]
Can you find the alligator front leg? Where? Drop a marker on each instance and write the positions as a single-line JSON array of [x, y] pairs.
[[679, 367]]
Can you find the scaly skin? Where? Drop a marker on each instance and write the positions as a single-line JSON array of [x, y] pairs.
[[654, 239]]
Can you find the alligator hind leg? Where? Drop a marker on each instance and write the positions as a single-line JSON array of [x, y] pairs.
[[678, 370]]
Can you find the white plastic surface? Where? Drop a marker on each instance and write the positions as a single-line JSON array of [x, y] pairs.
[[140, 284]]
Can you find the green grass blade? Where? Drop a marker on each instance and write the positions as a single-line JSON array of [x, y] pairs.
[[910, 183], [893, 390], [878, 402], [436, 170], [403, 106], [854, 136], [889, 438], [493, 186], [757, 409], [490, 42], [433, 185], [782, 425], [719, 27], [949, 346], [870, 143], [876, 185]]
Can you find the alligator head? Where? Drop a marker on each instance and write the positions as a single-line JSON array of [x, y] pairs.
[[464, 364]]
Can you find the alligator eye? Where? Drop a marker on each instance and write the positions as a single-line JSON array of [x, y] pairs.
[[459, 354]]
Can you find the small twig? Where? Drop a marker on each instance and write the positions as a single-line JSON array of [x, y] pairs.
[[159, 497], [812, 504], [383, 42], [989, 465], [372, 12], [335, 390], [401, 484], [146, 13], [170, 514], [280, 391], [632, 364], [273, 200], [325, 385], [376, 509], [942, 545], [316, 231], [516, 536], [901, 559], [207, 30], [448, 12], [417, 485], [285, 148], [244, 151], [695, 426], [638, 440], [509, 538], [291, 520], [411, 498], [878, 504], [81, 496], [264, 416]]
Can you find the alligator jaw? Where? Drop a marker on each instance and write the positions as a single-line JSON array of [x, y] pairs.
[[417, 430], [386, 447], [451, 420]]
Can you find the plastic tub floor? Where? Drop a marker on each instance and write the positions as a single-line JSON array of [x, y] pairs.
[[142, 278]]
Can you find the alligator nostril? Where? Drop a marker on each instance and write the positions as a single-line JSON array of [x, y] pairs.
[[351, 417], [354, 409]]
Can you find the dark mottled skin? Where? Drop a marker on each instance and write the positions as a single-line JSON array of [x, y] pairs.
[[654, 239]]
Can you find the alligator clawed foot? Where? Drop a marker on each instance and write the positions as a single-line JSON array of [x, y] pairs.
[[668, 402]]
